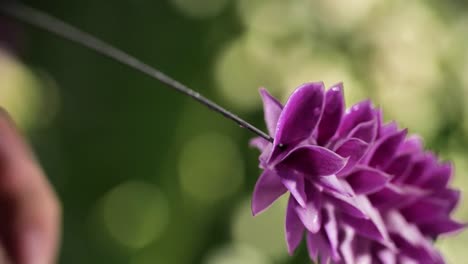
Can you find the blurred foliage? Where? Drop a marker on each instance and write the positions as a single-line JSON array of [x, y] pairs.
[[148, 176]]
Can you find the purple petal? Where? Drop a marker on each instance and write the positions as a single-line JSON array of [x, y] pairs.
[[386, 148], [421, 167], [365, 180], [413, 144], [314, 161], [353, 149], [410, 241], [425, 210], [332, 113], [294, 229], [366, 131], [318, 247], [310, 215], [388, 129], [373, 227], [439, 177], [364, 227], [393, 196], [259, 143], [265, 155], [348, 245], [267, 189], [362, 248], [386, 256], [441, 226], [450, 196], [294, 182], [389, 197], [399, 165], [331, 230], [419, 252], [347, 205], [299, 117], [334, 184], [272, 109], [359, 113]]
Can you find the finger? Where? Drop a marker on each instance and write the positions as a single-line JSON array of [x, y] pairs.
[[4, 256], [30, 212]]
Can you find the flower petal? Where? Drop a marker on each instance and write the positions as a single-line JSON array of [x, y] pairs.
[[294, 229], [294, 182], [410, 241], [347, 205], [441, 226], [267, 189], [364, 227], [366, 131], [314, 161], [421, 167], [348, 245], [318, 247], [366, 180], [310, 215], [399, 165], [425, 210], [358, 113], [450, 196], [412, 144], [388, 129], [362, 248], [386, 256], [334, 184], [386, 148], [259, 143], [393, 196], [299, 117], [272, 109], [331, 230], [353, 149], [373, 227], [439, 177], [332, 113], [389, 197]]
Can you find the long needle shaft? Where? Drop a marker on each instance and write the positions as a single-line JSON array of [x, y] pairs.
[[53, 25]]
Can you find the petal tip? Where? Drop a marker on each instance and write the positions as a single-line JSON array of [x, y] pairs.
[[337, 87]]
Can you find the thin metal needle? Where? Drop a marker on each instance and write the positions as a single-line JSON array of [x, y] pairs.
[[53, 25]]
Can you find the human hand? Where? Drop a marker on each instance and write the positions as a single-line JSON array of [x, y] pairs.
[[29, 209]]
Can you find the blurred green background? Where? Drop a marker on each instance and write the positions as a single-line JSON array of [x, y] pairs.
[[146, 175]]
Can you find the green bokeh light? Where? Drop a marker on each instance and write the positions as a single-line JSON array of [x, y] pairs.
[[263, 232], [200, 8], [236, 253], [211, 168], [21, 93], [135, 214]]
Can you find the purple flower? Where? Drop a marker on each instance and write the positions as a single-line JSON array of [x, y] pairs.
[[359, 190]]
